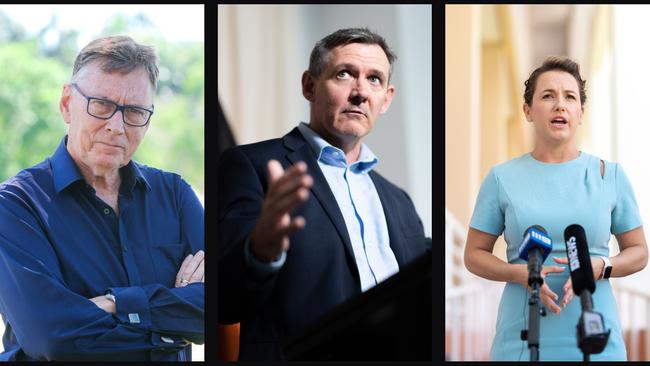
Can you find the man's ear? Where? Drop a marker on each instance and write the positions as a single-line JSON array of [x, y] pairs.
[[308, 86], [64, 103], [390, 92]]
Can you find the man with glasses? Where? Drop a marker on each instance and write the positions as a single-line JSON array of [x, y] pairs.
[[101, 258]]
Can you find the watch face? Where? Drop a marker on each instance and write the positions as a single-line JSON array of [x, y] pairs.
[[608, 271]]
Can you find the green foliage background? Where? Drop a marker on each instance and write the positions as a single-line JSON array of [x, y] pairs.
[[32, 74]]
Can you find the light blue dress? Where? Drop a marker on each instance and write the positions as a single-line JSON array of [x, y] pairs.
[[524, 192]]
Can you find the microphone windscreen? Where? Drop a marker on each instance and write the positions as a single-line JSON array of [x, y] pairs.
[[577, 249], [535, 237], [538, 228]]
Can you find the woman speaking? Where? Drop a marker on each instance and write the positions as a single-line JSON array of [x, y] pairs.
[[554, 186]]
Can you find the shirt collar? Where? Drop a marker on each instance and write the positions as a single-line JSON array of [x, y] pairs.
[[332, 155], [65, 171]]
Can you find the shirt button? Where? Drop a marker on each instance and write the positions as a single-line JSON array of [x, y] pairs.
[[106, 211], [124, 248]]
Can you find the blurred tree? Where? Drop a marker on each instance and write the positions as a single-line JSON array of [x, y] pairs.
[[30, 87], [10, 31]]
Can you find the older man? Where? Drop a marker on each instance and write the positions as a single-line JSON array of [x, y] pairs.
[[101, 258], [352, 228]]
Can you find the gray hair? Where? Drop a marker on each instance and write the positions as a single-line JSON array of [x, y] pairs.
[[320, 54], [118, 53]]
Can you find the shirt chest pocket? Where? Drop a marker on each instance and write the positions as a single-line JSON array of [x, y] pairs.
[[166, 260]]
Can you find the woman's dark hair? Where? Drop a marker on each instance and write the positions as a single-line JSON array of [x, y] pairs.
[[555, 63]]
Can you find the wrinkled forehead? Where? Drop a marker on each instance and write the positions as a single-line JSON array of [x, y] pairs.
[[96, 69], [362, 53]]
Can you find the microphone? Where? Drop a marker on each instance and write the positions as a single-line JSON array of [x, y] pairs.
[[591, 334], [577, 250], [534, 249]]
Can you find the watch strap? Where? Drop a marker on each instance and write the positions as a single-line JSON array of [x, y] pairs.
[[109, 295], [607, 269]]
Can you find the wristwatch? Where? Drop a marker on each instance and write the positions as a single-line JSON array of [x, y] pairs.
[[607, 269], [109, 295]]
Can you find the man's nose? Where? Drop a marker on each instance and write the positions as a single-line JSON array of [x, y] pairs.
[[115, 124], [359, 92]]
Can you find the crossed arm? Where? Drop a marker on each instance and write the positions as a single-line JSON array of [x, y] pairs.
[[49, 320], [191, 271]]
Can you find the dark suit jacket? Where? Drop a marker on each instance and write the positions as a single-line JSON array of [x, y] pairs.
[[320, 271]]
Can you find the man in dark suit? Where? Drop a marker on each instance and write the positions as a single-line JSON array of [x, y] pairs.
[[304, 222]]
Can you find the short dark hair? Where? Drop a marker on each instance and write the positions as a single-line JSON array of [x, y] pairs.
[[118, 53], [555, 63], [321, 51]]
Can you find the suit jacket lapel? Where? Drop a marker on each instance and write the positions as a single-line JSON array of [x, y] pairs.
[[300, 150], [391, 212]]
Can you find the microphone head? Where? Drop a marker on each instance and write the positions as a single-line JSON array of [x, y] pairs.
[[535, 237], [538, 228], [577, 250]]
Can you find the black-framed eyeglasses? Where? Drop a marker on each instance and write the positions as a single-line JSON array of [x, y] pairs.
[[104, 109]]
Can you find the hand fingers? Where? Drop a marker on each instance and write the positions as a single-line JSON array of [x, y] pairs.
[[552, 269], [568, 296], [190, 265], [287, 192], [286, 187], [281, 237], [275, 170], [297, 223], [197, 276], [549, 298], [546, 291], [186, 275], [568, 293], [179, 277], [288, 203], [278, 176], [561, 260], [568, 285]]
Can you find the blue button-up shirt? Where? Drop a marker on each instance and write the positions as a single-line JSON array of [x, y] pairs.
[[360, 205], [61, 245]]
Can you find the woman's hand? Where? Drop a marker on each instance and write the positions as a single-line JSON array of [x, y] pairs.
[[597, 265], [546, 295]]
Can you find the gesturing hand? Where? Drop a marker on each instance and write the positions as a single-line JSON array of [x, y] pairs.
[[546, 295], [286, 191], [192, 270], [597, 266]]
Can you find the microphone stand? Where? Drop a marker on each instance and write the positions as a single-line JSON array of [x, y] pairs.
[[535, 280]]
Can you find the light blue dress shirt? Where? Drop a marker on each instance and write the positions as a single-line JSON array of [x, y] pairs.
[[360, 205]]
